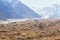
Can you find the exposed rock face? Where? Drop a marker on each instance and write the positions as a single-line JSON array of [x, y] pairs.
[[36, 29]]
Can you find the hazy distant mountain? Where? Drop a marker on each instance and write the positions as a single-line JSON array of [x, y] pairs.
[[15, 9], [50, 12]]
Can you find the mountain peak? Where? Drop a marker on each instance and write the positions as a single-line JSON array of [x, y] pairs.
[[16, 9]]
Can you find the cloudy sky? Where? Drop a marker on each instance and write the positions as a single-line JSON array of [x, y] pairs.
[[40, 3]]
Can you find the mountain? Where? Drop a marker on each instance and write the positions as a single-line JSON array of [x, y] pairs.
[[16, 9], [50, 11]]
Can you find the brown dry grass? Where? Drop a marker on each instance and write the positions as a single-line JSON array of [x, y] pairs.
[[36, 29]]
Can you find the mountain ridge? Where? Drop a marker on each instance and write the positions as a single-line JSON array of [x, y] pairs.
[[16, 9]]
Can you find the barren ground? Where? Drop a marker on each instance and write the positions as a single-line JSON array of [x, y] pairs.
[[36, 29]]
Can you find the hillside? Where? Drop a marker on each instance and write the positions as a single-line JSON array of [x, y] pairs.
[[33, 29]]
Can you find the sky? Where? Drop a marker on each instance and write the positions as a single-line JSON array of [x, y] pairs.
[[40, 3]]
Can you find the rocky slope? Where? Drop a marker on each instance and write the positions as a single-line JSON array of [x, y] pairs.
[[34, 29]]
